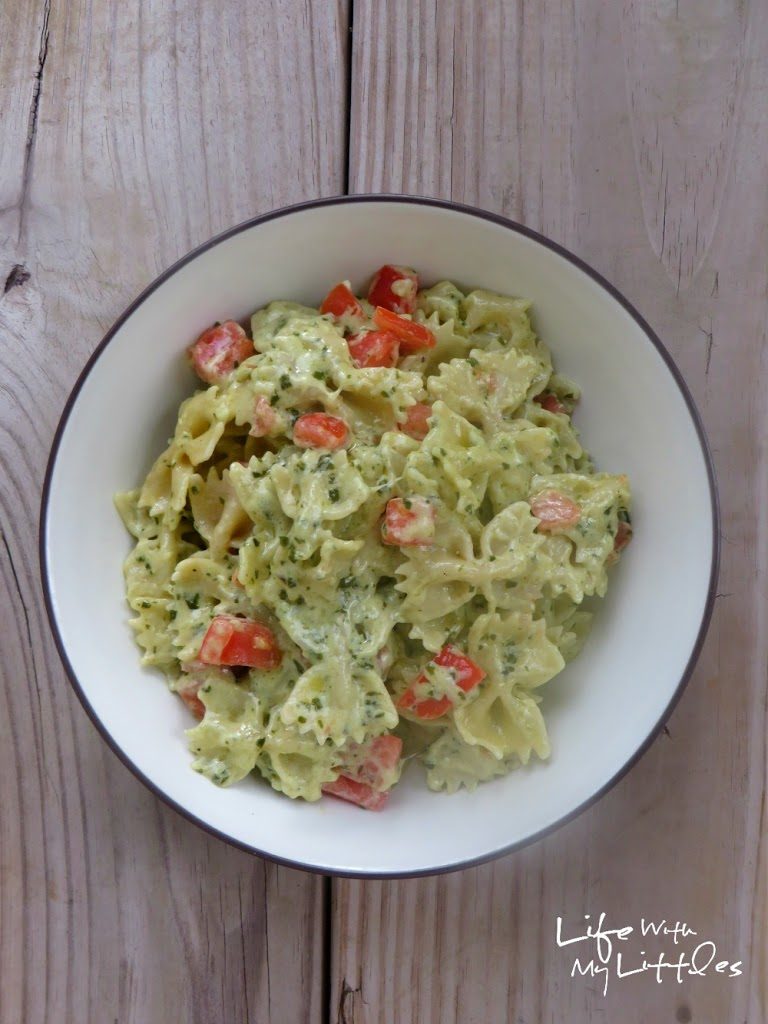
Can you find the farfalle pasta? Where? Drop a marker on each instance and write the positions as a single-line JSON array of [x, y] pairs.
[[371, 538]]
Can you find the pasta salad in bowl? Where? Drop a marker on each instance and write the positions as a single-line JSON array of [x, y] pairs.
[[374, 523], [378, 536]]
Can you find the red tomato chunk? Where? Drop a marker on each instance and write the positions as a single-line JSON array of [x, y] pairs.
[[382, 754], [234, 641], [555, 512], [356, 793], [341, 302], [429, 708], [417, 421], [408, 522], [551, 403], [364, 784], [219, 350], [466, 673], [394, 288], [318, 430], [412, 336], [374, 348], [265, 419]]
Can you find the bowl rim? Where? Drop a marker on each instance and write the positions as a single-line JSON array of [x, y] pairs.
[[441, 204]]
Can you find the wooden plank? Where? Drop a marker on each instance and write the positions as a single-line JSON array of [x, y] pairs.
[[22, 51], [132, 131], [636, 137]]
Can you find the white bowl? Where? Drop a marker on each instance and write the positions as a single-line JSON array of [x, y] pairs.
[[636, 416]]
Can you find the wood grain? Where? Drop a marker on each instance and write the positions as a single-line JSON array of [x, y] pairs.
[[130, 132], [637, 137], [634, 134]]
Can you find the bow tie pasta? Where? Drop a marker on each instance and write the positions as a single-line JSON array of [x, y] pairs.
[[374, 526]]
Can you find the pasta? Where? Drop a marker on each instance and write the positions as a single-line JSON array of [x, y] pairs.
[[374, 525]]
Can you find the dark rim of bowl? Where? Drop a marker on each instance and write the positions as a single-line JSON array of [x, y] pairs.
[[618, 297]]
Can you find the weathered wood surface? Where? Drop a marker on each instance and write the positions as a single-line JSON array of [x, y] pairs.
[[636, 135], [130, 132]]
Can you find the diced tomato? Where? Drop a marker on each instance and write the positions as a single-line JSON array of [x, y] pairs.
[[550, 402], [341, 302], [394, 288], [356, 793], [417, 421], [386, 750], [382, 754], [370, 773], [623, 536], [408, 522], [219, 350], [555, 512], [190, 698], [265, 419], [412, 336], [318, 430], [374, 348], [234, 641], [429, 708], [466, 673]]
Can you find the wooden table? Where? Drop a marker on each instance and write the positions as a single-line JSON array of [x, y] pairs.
[[635, 134]]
